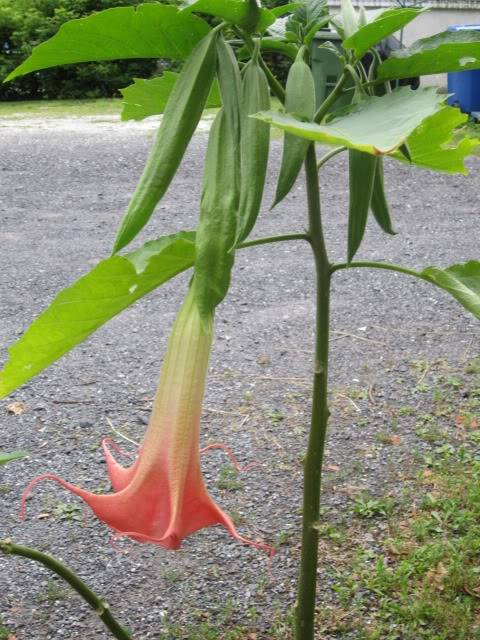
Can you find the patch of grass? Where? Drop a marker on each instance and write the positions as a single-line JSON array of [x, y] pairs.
[[173, 575], [228, 479], [473, 367], [5, 633], [275, 416], [422, 579], [67, 511], [367, 506], [60, 108], [202, 631], [53, 592]]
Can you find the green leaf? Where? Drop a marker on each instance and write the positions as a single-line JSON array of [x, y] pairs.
[[377, 125], [384, 25], [299, 99], [182, 114], [147, 31], [254, 147], [216, 232], [14, 455], [349, 18], [443, 52], [462, 281], [271, 45], [145, 98], [278, 12], [233, 11], [311, 11], [438, 144], [379, 204], [113, 285]]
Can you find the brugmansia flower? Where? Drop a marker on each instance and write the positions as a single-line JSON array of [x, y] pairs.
[[161, 498]]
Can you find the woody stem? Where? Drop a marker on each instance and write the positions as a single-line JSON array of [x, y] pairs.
[[305, 608]]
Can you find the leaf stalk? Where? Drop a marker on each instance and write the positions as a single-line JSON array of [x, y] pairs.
[[99, 605]]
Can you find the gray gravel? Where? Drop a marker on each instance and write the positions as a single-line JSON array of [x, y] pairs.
[[63, 192]]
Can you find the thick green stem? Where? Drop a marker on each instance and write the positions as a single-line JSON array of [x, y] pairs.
[[305, 610], [332, 98], [100, 606]]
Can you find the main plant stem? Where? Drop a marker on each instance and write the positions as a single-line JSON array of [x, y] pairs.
[[305, 609]]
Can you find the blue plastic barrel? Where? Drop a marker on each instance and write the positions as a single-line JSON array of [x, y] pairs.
[[465, 85]]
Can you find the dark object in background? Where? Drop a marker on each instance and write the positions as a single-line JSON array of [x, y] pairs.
[[327, 68], [385, 49]]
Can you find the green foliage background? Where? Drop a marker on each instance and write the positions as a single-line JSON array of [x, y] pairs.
[[26, 23]]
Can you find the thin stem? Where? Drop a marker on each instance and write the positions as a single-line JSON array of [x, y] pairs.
[[305, 610], [332, 98], [354, 76], [100, 606], [374, 265], [274, 84], [271, 239], [328, 156]]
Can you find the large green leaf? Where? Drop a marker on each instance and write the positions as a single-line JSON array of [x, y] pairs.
[[443, 52], [147, 31], [462, 281], [233, 11], [14, 455], [438, 144], [145, 98], [386, 23], [76, 312], [377, 125]]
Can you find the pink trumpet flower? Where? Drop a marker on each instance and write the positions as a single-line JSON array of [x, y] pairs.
[[161, 498]]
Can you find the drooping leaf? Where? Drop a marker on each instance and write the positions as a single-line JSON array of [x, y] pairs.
[[438, 144], [254, 147], [379, 204], [233, 11], [182, 115], [230, 84], [216, 232], [382, 26], [14, 455], [443, 52], [377, 125], [113, 285], [462, 281], [362, 169], [145, 98], [299, 99], [147, 31]]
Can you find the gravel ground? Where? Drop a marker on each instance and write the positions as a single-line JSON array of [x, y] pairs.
[[64, 187]]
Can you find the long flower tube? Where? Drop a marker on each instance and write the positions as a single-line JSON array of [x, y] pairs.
[[161, 498]]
